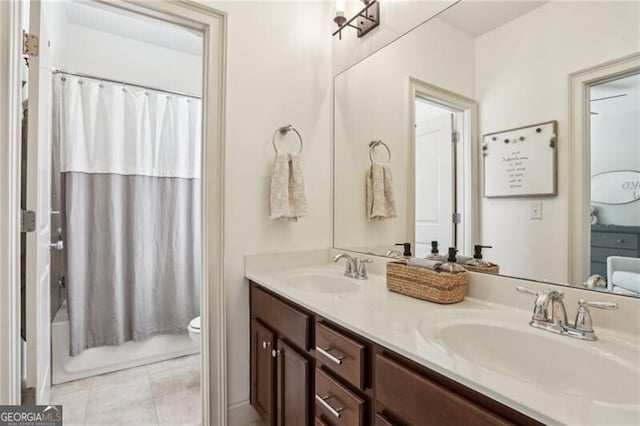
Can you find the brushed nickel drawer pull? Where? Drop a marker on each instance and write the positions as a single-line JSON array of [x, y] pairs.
[[322, 400], [325, 351]]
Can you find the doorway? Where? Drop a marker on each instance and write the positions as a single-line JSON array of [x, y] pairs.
[[435, 177], [210, 24], [444, 127]]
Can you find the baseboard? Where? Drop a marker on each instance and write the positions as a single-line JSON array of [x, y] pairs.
[[241, 414]]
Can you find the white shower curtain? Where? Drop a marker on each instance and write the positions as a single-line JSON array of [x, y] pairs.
[[130, 161]]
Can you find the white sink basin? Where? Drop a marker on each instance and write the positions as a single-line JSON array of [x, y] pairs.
[[321, 281], [557, 363]]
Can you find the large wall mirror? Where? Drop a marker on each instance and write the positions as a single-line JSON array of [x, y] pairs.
[[459, 133]]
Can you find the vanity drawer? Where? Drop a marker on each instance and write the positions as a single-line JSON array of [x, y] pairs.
[[614, 240], [341, 354], [381, 420], [418, 400], [281, 317], [335, 404], [600, 254], [320, 422]]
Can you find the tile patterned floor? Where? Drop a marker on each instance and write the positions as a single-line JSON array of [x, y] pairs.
[[164, 393]]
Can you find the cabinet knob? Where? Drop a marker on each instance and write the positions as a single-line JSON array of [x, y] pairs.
[[265, 344], [275, 353], [619, 241]]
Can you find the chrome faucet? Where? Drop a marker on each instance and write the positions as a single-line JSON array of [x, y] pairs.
[[355, 267], [549, 314], [394, 253]]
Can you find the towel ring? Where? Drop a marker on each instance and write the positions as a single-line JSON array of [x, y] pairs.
[[373, 145], [283, 131]]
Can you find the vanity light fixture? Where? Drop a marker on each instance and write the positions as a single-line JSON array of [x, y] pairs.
[[364, 21]]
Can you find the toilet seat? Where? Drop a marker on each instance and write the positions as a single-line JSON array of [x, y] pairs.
[[194, 325]]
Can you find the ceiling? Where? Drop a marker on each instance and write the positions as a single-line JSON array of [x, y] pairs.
[[476, 17], [137, 27]]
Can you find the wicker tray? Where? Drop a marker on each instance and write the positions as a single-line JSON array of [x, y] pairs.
[[492, 269], [425, 284]]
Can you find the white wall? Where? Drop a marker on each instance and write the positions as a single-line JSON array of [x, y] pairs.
[[278, 72], [615, 145], [77, 48], [397, 17], [372, 102], [522, 78]]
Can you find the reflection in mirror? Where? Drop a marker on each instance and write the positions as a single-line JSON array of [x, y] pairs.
[[615, 185], [494, 68]]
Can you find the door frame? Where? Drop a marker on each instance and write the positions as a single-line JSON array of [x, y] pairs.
[[466, 157], [213, 25], [10, 169], [580, 82]]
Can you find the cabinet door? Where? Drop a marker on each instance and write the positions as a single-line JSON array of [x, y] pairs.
[[262, 370], [293, 386]]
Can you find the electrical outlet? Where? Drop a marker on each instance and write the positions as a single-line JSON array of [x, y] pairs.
[[536, 211]]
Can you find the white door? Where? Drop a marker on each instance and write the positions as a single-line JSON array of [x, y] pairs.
[[38, 192], [434, 183]]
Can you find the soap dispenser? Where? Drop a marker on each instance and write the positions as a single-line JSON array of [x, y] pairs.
[[477, 257], [451, 266], [435, 255], [406, 249]]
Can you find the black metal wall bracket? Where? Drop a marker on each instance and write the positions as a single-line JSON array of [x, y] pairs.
[[364, 21]]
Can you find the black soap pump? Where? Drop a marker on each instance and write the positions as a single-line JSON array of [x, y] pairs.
[[451, 266], [477, 256], [406, 247], [435, 254]]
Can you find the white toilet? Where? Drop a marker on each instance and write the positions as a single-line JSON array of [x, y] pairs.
[[194, 329]]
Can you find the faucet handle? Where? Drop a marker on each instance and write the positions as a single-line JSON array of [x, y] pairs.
[[553, 294], [583, 326], [527, 290], [361, 268], [600, 305]]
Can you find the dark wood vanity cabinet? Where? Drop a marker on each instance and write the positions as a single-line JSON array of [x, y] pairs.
[[306, 370], [262, 369]]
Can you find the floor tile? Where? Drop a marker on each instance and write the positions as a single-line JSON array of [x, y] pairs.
[[142, 414], [128, 375], [180, 408], [168, 382], [189, 361], [118, 392], [74, 404], [73, 386]]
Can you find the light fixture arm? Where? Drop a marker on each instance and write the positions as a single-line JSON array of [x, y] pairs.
[[365, 20]]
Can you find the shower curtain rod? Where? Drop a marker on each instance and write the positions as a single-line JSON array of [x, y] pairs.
[[108, 80]]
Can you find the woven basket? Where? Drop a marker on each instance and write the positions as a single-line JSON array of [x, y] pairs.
[[425, 284], [491, 269]]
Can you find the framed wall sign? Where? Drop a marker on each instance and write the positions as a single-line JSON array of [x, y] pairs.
[[615, 187], [521, 162]]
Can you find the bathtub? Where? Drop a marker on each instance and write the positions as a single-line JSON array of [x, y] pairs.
[[105, 359]]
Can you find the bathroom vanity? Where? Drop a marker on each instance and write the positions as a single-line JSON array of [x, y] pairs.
[[335, 350], [306, 369]]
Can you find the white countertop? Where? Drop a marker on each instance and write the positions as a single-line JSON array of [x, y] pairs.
[[409, 327]]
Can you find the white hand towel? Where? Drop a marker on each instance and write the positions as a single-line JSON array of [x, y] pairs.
[[288, 200], [381, 203]]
